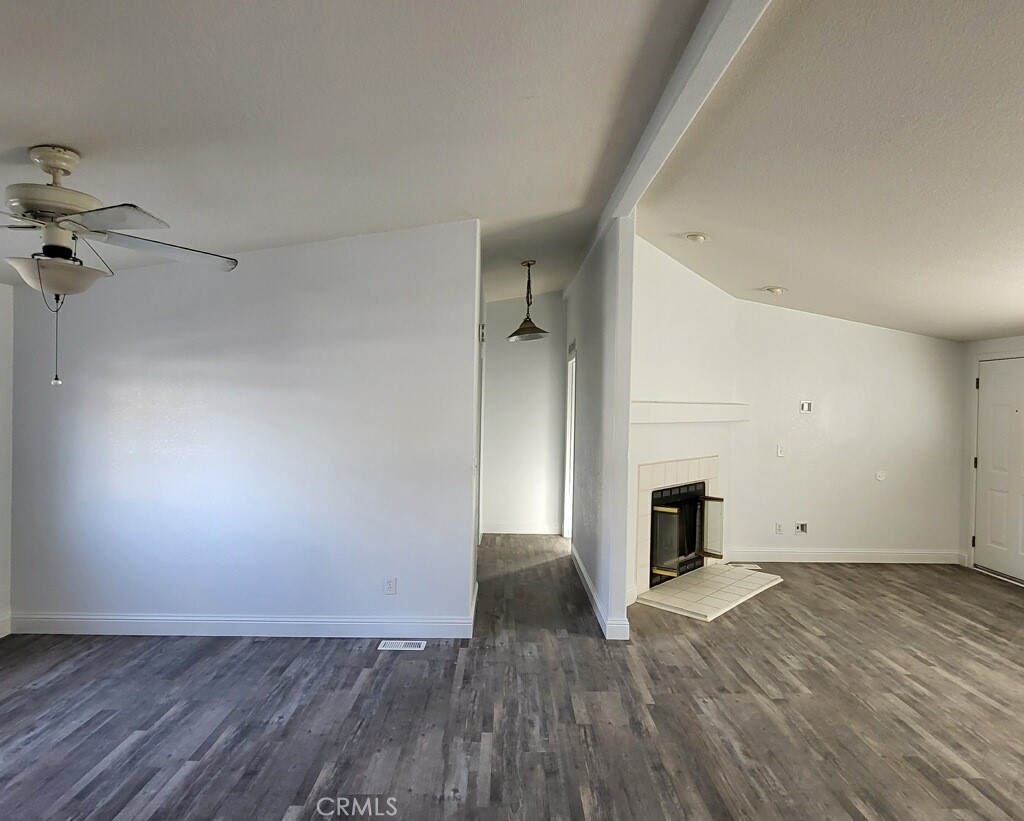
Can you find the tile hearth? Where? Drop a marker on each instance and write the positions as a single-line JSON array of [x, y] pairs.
[[707, 593]]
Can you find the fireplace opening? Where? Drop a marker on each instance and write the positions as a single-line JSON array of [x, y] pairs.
[[686, 529]]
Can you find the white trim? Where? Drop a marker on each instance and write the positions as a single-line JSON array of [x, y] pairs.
[[5, 625], [720, 34], [769, 554], [472, 606], [617, 629], [525, 529], [612, 628], [141, 624]]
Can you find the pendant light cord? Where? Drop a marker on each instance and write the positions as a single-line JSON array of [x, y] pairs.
[[529, 291]]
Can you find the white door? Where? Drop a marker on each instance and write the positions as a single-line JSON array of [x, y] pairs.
[[999, 509]]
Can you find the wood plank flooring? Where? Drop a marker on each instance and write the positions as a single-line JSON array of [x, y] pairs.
[[848, 691]]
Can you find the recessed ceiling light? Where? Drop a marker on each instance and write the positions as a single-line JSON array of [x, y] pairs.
[[697, 236], [774, 290]]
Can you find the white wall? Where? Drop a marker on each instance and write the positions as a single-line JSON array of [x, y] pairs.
[[6, 386], [684, 341], [524, 425], [883, 400], [254, 452], [599, 313]]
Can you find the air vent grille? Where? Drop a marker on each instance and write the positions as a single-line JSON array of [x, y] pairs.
[[392, 644]]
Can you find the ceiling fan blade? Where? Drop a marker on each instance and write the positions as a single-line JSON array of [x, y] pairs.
[[123, 217], [32, 223], [21, 227], [164, 249]]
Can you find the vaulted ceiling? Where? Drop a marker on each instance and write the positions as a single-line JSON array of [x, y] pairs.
[[263, 123], [869, 157]]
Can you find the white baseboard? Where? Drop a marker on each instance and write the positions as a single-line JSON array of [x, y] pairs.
[[612, 628], [769, 554], [524, 529], [120, 624], [5, 625], [616, 629]]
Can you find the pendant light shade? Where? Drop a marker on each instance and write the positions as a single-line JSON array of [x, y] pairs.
[[527, 330]]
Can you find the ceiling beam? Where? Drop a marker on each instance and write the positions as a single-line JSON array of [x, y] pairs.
[[721, 31]]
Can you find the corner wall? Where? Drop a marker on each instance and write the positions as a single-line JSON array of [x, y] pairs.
[[253, 453], [524, 428], [598, 320], [721, 376], [6, 441]]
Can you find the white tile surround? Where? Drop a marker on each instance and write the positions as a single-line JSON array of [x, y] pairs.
[[654, 476]]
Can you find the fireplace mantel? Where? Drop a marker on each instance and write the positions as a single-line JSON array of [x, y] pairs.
[[674, 413]]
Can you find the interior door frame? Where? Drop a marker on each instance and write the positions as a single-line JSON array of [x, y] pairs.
[[568, 476]]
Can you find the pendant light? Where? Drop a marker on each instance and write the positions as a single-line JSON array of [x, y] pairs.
[[527, 330]]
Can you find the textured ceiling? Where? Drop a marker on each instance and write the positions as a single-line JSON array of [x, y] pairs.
[[868, 156], [255, 124]]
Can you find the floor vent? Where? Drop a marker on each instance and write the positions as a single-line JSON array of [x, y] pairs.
[[401, 645]]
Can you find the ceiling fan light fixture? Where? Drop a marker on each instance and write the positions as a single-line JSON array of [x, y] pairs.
[[55, 276], [527, 329]]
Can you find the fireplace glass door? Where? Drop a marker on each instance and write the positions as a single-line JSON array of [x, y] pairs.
[[686, 528]]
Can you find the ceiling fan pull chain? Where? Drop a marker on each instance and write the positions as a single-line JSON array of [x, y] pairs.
[[56, 339]]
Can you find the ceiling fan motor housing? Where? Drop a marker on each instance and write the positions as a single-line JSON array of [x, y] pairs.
[[30, 199], [58, 243]]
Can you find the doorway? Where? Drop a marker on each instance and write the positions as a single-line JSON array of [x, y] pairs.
[[999, 500], [570, 441]]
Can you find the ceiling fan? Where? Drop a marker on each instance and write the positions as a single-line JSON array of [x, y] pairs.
[[64, 216]]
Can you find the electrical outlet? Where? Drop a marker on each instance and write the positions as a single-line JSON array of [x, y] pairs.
[[780, 450], [779, 529], [801, 527], [391, 586]]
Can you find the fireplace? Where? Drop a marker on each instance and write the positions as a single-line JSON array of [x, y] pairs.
[[686, 528]]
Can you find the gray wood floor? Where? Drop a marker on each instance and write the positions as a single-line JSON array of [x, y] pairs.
[[846, 692]]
